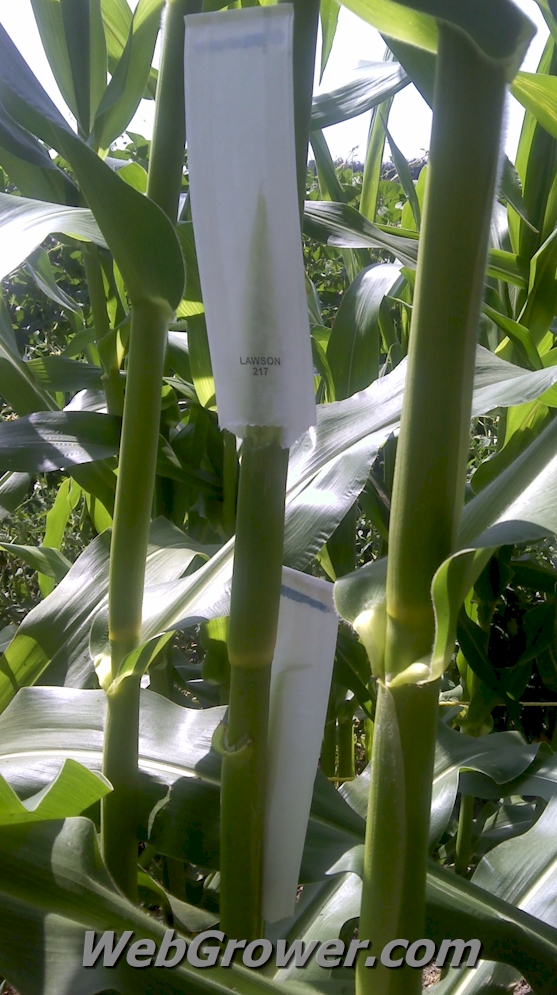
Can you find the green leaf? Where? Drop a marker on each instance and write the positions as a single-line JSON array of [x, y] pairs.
[[117, 18], [537, 92], [192, 291], [72, 34], [522, 872], [49, 18], [456, 907], [14, 488], [56, 633], [329, 183], [54, 440], [73, 791], [343, 226], [54, 887], [524, 424], [135, 664], [541, 302], [39, 265], [510, 188], [353, 349], [22, 145], [518, 333], [179, 770], [178, 356], [542, 779], [374, 156], [17, 384], [450, 585], [67, 498], [24, 224], [57, 373], [405, 178], [132, 72], [29, 165], [200, 361], [325, 478], [138, 233], [383, 81], [413, 21], [397, 21], [50, 562], [39, 182], [503, 757], [329, 11], [518, 505], [74, 860]]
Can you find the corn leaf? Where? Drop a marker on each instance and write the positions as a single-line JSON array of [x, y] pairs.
[[50, 562], [382, 81], [325, 478], [414, 22], [329, 12], [353, 349], [117, 17], [14, 488], [40, 267], [169, 730], [54, 887], [71, 792], [344, 227], [503, 757], [140, 236], [132, 72], [520, 871], [72, 606], [24, 224], [54, 440], [56, 373], [537, 92]]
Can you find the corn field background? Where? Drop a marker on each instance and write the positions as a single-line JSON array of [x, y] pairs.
[[134, 686]]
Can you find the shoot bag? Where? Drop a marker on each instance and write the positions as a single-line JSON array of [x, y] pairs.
[[244, 203], [300, 682]]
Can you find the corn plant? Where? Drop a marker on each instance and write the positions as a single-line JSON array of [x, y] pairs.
[[424, 305]]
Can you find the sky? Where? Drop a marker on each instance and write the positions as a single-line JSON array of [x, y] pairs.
[[410, 119]]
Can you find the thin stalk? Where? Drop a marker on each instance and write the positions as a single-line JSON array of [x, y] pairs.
[[329, 747], [230, 483], [136, 480], [132, 515], [428, 491], [368, 739], [464, 834], [485, 613], [393, 899], [346, 742], [306, 21], [175, 877], [113, 385], [255, 598], [169, 133]]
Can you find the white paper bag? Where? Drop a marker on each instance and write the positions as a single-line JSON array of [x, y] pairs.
[[300, 682], [242, 174]]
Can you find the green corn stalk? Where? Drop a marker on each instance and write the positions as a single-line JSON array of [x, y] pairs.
[[255, 600], [136, 479], [429, 478], [254, 608]]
